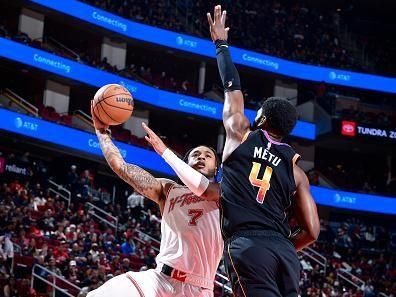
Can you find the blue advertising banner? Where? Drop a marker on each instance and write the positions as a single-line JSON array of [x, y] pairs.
[[205, 47], [354, 201], [88, 143], [78, 140], [147, 94]]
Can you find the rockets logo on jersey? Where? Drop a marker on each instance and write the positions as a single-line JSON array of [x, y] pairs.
[[185, 199]]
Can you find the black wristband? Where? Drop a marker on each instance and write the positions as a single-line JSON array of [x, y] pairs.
[[228, 72], [221, 43]]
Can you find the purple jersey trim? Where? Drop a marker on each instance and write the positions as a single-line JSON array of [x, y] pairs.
[[273, 141]]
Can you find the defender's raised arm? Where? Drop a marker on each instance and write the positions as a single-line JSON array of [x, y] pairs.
[[235, 122]]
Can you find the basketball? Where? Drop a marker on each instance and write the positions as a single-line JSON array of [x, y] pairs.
[[113, 104]]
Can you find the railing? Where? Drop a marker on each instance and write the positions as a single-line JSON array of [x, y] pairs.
[[22, 103], [144, 242], [223, 286], [17, 250], [351, 42], [86, 117], [184, 8], [325, 181], [100, 195], [54, 282], [316, 257], [61, 191], [350, 278], [69, 52], [149, 237], [145, 213], [382, 294], [103, 216], [82, 120]]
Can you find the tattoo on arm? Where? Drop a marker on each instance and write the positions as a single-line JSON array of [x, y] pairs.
[[138, 178], [110, 151]]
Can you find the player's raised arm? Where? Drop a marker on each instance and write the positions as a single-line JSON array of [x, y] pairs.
[[199, 184], [235, 122], [305, 212], [142, 181]]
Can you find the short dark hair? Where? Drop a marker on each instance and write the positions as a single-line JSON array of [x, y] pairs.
[[281, 115], [185, 158]]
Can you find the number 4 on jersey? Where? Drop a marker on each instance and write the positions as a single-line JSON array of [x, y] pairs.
[[263, 184]]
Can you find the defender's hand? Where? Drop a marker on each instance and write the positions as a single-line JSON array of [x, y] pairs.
[[96, 122], [156, 142], [217, 27]]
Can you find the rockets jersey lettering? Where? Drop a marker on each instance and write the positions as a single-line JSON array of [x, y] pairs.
[[191, 237]]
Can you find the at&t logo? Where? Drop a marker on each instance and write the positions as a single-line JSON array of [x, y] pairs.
[[339, 76], [179, 40], [186, 42], [20, 124]]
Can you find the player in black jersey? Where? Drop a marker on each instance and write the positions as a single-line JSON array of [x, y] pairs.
[[261, 183]]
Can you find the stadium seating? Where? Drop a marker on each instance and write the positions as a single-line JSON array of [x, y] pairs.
[[293, 30], [52, 227]]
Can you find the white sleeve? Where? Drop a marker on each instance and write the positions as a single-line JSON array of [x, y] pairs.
[[194, 180]]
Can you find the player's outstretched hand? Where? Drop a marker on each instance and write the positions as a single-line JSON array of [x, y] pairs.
[[96, 122], [217, 27], [156, 142]]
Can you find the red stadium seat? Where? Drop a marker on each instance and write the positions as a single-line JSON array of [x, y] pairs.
[[66, 120]]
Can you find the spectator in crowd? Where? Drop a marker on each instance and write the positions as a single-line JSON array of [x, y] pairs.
[[128, 246], [86, 183], [72, 176], [10, 289], [52, 266], [135, 204], [61, 252], [94, 252], [3, 31], [6, 250], [39, 201], [295, 31], [87, 253], [22, 37]]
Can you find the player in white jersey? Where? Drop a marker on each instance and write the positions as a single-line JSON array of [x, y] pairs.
[[191, 244]]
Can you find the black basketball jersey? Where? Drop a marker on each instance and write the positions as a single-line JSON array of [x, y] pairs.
[[257, 186]]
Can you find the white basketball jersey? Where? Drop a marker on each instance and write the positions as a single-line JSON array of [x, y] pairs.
[[191, 238]]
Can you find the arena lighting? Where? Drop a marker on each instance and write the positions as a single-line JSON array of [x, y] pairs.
[[205, 47], [95, 77], [88, 143]]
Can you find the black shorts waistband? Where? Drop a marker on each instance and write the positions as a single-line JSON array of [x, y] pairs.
[[252, 233]]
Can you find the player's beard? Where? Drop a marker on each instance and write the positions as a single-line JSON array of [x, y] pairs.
[[210, 174]]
